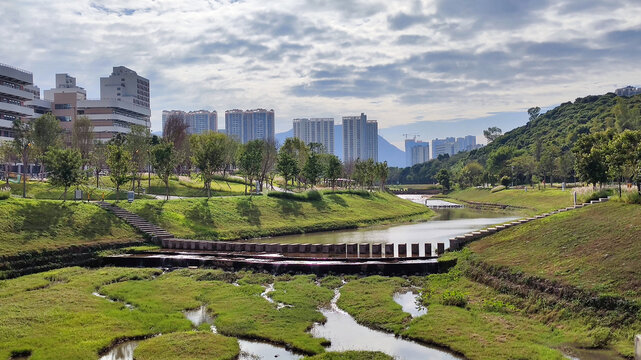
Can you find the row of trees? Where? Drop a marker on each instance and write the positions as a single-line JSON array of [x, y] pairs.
[[71, 157]]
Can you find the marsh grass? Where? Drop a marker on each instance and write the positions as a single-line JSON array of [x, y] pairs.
[[188, 346]]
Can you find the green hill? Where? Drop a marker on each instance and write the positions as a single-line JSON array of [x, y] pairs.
[[556, 129]]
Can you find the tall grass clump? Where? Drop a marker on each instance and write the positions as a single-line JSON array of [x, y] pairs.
[[587, 194], [362, 193], [5, 193]]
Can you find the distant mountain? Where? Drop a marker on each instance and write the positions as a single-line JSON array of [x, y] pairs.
[[386, 151]]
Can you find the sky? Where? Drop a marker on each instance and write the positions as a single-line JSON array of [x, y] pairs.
[[406, 64]]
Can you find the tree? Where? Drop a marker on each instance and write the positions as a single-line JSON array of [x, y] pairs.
[[333, 170], [119, 162], [287, 166], [175, 132], [534, 113], [82, 138], [65, 168], [492, 133], [268, 163], [590, 152], [312, 169], [471, 174], [98, 160], [443, 178], [298, 151], [46, 134], [9, 156], [208, 152], [565, 165], [163, 160], [626, 118], [22, 138], [547, 165], [497, 161], [138, 143], [624, 157], [382, 172], [524, 166], [250, 160]]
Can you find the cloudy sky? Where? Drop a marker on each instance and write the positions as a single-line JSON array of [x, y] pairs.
[[401, 62]]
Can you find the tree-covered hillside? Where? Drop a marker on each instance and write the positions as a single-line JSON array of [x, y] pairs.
[[541, 149]]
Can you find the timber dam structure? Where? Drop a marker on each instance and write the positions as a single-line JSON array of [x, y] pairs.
[[345, 258]]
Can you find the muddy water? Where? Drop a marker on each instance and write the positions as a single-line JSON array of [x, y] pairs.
[[410, 304], [346, 334]]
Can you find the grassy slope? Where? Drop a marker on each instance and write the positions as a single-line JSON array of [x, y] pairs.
[[595, 248], [535, 201], [28, 225], [247, 217], [184, 187], [55, 315], [188, 346]]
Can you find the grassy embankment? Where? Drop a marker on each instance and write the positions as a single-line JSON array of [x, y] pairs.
[[534, 201], [195, 345], [258, 216], [43, 225], [54, 315], [564, 284], [178, 186]]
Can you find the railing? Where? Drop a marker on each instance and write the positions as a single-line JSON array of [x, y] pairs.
[[16, 68]]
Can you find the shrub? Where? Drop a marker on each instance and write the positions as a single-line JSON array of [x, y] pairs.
[[312, 195], [454, 298], [497, 306], [595, 195], [505, 181], [363, 193], [5, 193], [600, 337], [632, 198], [498, 188]]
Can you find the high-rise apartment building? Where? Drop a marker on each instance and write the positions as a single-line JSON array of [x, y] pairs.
[[13, 96], [248, 125], [202, 121], [628, 91], [443, 146], [125, 85], [416, 152], [360, 138], [316, 130]]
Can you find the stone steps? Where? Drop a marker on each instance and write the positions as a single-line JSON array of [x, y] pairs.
[[152, 231]]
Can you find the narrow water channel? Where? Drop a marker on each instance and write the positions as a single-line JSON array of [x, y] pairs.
[[409, 303], [346, 334]]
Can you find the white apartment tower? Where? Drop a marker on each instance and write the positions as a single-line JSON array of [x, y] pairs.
[[248, 125], [360, 138], [13, 96], [316, 130]]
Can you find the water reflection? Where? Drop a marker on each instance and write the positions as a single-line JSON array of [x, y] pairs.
[[446, 224], [410, 303], [346, 334], [124, 351]]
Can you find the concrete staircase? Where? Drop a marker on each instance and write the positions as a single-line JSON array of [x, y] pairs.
[[150, 230]]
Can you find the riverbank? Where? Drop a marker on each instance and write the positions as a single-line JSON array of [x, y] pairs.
[[261, 216], [531, 202]]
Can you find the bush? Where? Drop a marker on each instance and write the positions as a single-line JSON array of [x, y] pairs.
[[5, 193], [497, 306], [595, 195], [600, 337], [632, 198], [454, 298], [505, 181], [312, 195], [498, 188]]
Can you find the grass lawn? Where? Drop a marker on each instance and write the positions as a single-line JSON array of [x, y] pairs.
[[35, 225], [258, 216], [194, 345], [53, 315], [534, 201], [595, 248]]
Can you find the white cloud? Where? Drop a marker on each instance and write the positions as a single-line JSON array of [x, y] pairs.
[[397, 61]]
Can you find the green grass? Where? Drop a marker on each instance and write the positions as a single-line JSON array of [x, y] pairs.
[[351, 355], [45, 191], [258, 216], [35, 225], [594, 248], [477, 331], [533, 201], [188, 346]]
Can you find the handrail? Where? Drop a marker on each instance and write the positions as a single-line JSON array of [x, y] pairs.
[[16, 68]]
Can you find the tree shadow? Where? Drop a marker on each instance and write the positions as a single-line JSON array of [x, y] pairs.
[[337, 199], [201, 213], [319, 205], [289, 207], [249, 210], [43, 217]]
